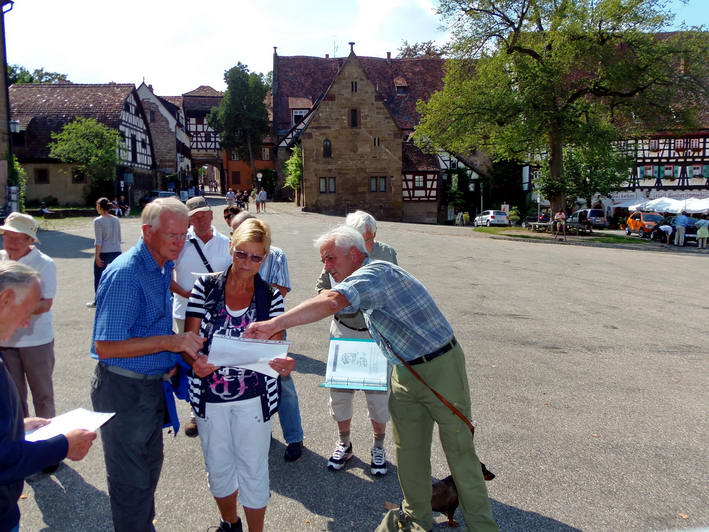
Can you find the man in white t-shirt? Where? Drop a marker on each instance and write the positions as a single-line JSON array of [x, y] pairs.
[[206, 251], [29, 352]]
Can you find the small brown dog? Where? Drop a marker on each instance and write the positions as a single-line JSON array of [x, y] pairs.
[[444, 498]]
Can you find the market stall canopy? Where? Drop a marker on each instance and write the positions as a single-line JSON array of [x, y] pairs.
[[691, 205]]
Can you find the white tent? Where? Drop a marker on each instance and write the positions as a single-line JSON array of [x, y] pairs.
[[691, 205]]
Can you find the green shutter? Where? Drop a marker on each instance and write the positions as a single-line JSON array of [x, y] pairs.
[[642, 172], [676, 170], [706, 170]]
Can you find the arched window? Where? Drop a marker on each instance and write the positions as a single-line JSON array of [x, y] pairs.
[[326, 148]]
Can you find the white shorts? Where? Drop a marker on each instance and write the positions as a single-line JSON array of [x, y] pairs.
[[235, 444]]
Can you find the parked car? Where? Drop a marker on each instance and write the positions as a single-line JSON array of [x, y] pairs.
[[489, 218], [155, 194], [595, 217], [642, 223]]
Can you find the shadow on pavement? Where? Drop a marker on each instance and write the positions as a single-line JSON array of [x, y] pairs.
[[60, 245], [307, 365], [514, 519], [348, 500], [68, 502]]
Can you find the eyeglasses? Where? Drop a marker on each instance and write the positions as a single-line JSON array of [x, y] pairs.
[[242, 255]]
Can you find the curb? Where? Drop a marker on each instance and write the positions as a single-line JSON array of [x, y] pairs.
[[631, 247]]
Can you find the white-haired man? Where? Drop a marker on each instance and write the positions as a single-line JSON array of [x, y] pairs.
[[274, 270], [206, 251], [354, 326], [29, 353], [135, 347], [405, 321], [20, 294]]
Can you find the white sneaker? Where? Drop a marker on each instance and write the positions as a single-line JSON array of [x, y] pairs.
[[378, 467], [341, 454]]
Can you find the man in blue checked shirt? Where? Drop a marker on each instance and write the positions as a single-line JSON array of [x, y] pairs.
[[404, 320], [135, 347]]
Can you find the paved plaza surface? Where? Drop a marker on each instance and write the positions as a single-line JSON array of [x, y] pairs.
[[588, 371]]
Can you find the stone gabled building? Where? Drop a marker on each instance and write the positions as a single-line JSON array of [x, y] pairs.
[[171, 142], [353, 117], [41, 109]]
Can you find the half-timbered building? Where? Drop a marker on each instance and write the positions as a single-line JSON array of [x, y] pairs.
[[171, 142], [353, 117], [41, 109], [205, 146]]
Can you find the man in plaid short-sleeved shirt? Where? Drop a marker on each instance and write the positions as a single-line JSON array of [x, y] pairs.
[[404, 320], [135, 347]]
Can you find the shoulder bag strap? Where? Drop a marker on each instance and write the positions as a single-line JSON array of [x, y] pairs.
[[201, 255]]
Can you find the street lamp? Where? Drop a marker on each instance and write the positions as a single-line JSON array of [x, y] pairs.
[[259, 175]]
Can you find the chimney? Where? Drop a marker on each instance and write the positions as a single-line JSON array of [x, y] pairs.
[[351, 46], [388, 56], [327, 56], [151, 88], [274, 50]]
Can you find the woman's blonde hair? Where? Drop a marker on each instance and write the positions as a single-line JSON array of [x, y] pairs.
[[252, 230]]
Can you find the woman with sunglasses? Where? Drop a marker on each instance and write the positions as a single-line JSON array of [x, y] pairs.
[[234, 406]]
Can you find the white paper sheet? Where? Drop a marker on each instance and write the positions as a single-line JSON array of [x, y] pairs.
[[356, 364], [79, 418], [247, 353]]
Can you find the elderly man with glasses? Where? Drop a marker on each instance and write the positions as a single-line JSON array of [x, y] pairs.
[[20, 294], [136, 347], [412, 332]]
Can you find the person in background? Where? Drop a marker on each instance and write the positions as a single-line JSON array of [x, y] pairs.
[[29, 352], [681, 223], [355, 326], [274, 270], [702, 226], [230, 198], [206, 251], [229, 213], [234, 405], [20, 294], [560, 224], [261, 201], [107, 234], [135, 347]]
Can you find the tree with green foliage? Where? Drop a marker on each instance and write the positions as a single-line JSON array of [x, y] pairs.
[[241, 120], [529, 77], [419, 49], [589, 169], [90, 146], [19, 74], [17, 177], [294, 173]]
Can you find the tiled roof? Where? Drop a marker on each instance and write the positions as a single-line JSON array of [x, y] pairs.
[[174, 100], [204, 90], [171, 107], [303, 77], [414, 159], [65, 101]]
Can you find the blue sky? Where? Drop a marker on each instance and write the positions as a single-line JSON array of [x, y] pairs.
[[179, 44]]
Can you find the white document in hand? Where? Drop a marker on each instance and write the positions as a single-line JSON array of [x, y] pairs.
[[247, 353], [79, 418]]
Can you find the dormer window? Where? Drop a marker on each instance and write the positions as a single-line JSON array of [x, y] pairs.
[[297, 115], [402, 87]]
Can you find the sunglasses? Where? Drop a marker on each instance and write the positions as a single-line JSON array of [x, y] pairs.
[[242, 255]]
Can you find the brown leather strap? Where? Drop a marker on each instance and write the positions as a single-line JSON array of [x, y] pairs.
[[442, 399]]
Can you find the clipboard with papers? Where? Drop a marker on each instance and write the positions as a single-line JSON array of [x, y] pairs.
[[355, 364]]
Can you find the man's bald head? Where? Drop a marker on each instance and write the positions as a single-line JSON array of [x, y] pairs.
[[237, 220]]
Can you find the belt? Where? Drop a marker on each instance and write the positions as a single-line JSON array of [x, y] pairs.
[[435, 354], [338, 320], [123, 372]]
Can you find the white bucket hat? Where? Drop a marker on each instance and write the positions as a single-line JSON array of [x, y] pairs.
[[21, 223]]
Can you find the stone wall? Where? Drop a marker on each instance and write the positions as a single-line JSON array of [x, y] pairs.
[[371, 149]]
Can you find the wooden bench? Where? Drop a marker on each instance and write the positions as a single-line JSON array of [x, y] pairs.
[[538, 227]]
